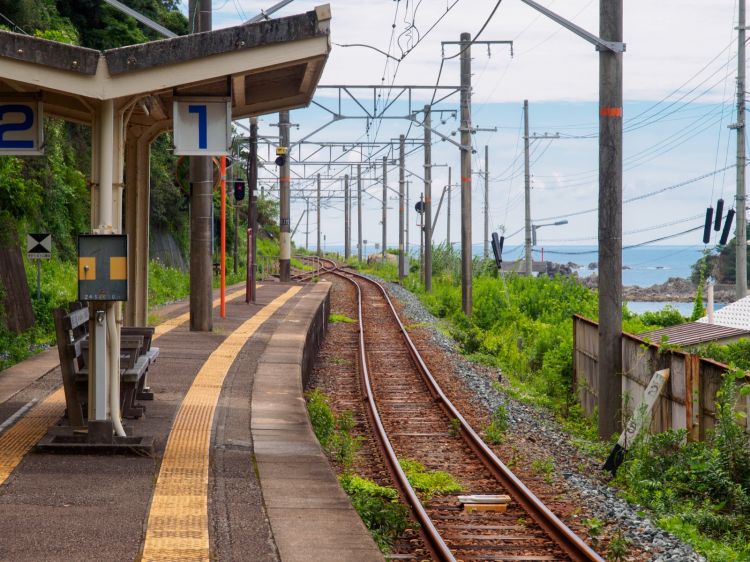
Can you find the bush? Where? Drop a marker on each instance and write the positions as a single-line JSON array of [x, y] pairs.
[[697, 487], [379, 507]]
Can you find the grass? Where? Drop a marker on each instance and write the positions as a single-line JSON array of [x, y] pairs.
[[379, 508], [428, 483], [333, 318]]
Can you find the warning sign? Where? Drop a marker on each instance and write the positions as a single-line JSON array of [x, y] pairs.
[[39, 246]]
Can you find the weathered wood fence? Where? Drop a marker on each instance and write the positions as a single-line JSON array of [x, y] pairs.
[[688, 400]]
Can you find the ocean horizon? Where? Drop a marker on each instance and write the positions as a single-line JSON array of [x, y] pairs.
[[643, 266]]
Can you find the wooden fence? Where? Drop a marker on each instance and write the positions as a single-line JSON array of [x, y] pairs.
[[688, 400]]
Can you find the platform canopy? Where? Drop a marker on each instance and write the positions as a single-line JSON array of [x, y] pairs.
[[126, 95], [266, 67]]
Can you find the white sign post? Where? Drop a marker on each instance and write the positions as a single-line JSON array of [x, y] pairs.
[[38, 248], [202, 126], [21, 127]]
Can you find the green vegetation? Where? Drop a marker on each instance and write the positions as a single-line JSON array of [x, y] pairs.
[[618, 548], [736, 353], [428, 483], [334, 431], [698, 491], [379, 507], [495, 431], [333, 318], [544, 467]]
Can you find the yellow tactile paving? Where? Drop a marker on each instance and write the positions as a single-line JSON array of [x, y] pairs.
[[177, 526], [19, 439], [172, 323]]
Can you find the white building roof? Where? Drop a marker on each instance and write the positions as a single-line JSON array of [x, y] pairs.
[[735, 315]]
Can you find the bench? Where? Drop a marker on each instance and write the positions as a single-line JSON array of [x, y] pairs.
[[136, 356]]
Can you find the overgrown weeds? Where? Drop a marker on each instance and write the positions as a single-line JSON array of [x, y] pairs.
[[334, 431], [379, 508], [428, 483], [700, 491]]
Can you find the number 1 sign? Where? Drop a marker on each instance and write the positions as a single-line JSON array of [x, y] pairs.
[[202, 126], [21, 127]]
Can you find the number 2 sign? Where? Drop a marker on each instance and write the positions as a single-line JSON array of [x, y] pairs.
[[21, 127], [202, 126]]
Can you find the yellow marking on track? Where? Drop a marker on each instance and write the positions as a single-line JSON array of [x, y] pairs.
[[177, 526], [21, 437]]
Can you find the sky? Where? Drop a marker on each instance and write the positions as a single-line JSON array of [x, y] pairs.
[[679, 91]]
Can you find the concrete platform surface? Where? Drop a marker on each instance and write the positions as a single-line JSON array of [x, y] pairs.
[[271, 493]]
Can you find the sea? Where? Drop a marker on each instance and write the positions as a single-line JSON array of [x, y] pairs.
[[643, 266]]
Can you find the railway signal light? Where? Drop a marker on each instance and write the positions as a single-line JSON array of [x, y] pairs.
[[497, 249], [239, 190], [281, 155]]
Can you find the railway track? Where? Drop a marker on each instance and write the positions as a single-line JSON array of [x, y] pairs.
[[411, 418]]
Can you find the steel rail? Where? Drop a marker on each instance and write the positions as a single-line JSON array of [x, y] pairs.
[[558, 531], [431, 536]]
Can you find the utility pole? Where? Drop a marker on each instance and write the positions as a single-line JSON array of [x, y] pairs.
[[285, 250], [741, 228], [427, 209], [466, 258], [347, 219], [385, 203], [527, 189], [307, 225], [201, 207], [359, 213], [401, 231], [610, 221], [486, 201], [252, 208], [318, 246], [421, 240], [448, 220], [407, 210]]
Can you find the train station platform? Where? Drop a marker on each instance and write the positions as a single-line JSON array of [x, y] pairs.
[[237, 473]]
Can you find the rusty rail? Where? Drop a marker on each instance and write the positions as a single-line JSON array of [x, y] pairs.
[[558, 532]]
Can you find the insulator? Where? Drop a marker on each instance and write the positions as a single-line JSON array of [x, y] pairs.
[[719, 213], [727, 227], [707, 225]]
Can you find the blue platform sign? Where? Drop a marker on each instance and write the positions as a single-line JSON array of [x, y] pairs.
[[21, 127], [202, 126]]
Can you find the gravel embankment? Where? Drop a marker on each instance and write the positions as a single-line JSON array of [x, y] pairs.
[[598, 498]]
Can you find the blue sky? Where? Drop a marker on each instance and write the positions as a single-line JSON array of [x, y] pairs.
[[680, 68]]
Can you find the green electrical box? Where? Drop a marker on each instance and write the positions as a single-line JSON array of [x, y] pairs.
[[102, 267]]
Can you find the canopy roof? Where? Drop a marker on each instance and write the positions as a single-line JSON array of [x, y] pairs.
[[266, 67]]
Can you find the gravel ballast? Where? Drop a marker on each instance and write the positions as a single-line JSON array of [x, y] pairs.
[[589, 484]]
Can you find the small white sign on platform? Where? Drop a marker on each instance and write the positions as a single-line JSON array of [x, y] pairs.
[[21, 127], [202, 126]]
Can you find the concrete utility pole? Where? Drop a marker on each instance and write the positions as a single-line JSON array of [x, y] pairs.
[[486, 201], [307, 224], [448, 219], [741, 228], [528, 265], [285, 250], [427, 210], [407, 210], [401, 230], [385, 203], [421, 239], [466, 258], [359, 213], [347, 219], [252, 208], [610, 220], [201, 207], [318, 246]]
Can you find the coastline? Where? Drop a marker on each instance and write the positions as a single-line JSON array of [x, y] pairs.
[[675, 289]]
